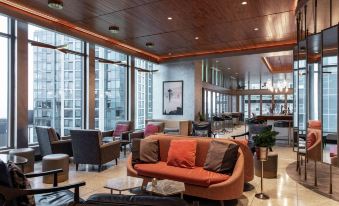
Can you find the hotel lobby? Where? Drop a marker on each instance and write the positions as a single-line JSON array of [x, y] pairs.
[[169, 102]]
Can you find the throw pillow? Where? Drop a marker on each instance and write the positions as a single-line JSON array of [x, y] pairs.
[[311, 139], [149, 151], [182, 153], [119, 129], [150, 129], [19, 181], [136, 151], [221, 157]]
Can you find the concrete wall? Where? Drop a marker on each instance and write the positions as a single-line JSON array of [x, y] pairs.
[[185, 71]]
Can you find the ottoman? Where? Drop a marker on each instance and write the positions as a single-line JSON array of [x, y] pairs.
[[27, 153], [53, 162], [270, 166]]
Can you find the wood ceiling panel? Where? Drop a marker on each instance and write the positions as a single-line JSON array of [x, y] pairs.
[[279, 64], [219, 24]]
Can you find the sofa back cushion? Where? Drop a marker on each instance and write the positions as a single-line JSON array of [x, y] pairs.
[[149, 151], [203, 145], [182, 153]]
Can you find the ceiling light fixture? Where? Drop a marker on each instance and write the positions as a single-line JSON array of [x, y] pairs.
[[229, 68], [170, 53], [114, 29], [55, 4], [244, 3], [169, 18], [256, 29], [196, 38], [149, 44]]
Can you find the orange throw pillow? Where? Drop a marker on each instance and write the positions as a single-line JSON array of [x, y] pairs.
[[311, 139], [182, 153]]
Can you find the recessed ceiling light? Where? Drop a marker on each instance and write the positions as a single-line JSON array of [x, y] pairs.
[[229, 68], [216, 61], [244, 3], [236, 73], [196, 38], [149, 44], [55, 4], [170, 53], [114, 29], [169, 18], [256, 29]]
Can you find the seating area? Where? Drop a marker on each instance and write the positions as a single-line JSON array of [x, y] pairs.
[[169, 102]]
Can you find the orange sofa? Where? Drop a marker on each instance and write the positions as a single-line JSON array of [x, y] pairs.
[[198, 182]]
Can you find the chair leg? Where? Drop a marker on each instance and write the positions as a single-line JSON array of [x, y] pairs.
[[221, 202], [76, 167], [99, 168], [116, 161]]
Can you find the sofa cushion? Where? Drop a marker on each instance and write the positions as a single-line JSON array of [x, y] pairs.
[[149, 150], [221, 157], [182, 153], [119, 129], [196, 176], [150, 129], [311, 139]]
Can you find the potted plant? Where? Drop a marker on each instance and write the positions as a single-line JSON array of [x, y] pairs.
[[264, 140]]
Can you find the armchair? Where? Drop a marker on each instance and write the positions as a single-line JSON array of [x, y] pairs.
[[49, 142], [121, 132], [57, 195], [89, 149], [151, 128], [202, 129]]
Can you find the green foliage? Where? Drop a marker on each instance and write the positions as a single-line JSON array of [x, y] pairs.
[[265, 138]]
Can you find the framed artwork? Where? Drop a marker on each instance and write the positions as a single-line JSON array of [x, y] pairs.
[[172, 92]]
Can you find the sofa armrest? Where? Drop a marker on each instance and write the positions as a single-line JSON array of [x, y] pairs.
[[110, 151], [107, 133], [130, 169], [63, 147], [68, 137], [136, 134]]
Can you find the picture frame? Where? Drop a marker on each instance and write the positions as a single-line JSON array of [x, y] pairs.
[[172, 96]]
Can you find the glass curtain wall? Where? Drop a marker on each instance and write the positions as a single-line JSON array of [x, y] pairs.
[[110, 88], [55, 79], [255, 105], [279, 101], [4, 68], [266, 104], [144, 92]]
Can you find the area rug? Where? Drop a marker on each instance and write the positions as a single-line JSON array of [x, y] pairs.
[[323, 174]]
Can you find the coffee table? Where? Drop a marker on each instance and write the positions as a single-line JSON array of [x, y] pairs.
[[123, 183], [166, 188]]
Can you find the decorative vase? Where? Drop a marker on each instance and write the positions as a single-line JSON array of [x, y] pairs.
[[262, 153]]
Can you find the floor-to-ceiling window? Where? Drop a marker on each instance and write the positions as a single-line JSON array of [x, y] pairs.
[[279, 101], [55, 75], [4, 65], [143, 91], [266, 104], [255, 104], [246, 106], [110, 88]]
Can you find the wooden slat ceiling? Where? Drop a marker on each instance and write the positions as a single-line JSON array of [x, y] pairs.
[[279, 64], [221, 25]]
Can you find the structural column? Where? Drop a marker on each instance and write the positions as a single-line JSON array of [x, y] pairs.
[[131, 95], [21, 91], [90, 123]]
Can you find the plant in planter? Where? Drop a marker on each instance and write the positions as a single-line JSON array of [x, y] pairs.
[[264, 140]]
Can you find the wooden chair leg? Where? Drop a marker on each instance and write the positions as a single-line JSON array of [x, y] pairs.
[[99, 168], [315, 174], [76, 167], [116, 161]]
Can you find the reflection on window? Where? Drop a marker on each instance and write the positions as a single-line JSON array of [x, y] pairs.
[[144, 92], [330, 82], [302, 100], [4, 91], [51, 92], [110, 89]]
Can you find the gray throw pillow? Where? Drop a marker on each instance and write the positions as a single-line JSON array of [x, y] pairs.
[[136, 151], [221, 157], [149, 151]]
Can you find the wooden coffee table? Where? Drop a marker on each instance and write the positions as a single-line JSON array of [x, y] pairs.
[[166, 188], [123, 183]]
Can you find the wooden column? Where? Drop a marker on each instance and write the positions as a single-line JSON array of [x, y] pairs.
[[21, 92], [90, 87]]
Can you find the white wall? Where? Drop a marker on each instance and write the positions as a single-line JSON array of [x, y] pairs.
[[184, 71]]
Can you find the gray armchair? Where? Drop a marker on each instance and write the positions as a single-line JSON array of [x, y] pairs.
[[49, 142], [89, 149]]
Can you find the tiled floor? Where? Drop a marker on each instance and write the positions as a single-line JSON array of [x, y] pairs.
[[282, 191]]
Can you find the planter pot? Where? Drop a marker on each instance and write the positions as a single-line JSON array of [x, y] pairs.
[[262, 153]]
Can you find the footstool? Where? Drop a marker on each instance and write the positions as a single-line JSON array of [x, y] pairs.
[[53, 162], [270, 166], [27, 153]]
